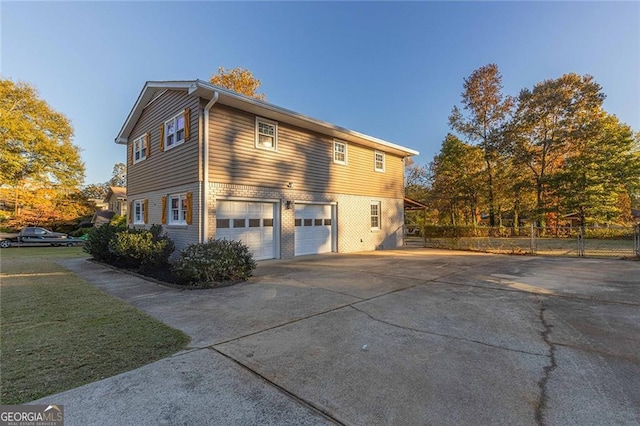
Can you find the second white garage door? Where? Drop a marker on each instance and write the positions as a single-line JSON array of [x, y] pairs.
[[313, 228], [249, 222]]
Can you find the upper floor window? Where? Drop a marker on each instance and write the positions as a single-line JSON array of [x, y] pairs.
[[375, 215], [140, 148], [266, 134], [379, 161], [339, 152], [174, 131]]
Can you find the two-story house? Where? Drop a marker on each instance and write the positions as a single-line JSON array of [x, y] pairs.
[[116, 200], [206, 162]]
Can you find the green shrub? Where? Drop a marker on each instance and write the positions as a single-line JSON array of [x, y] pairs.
[[97, 242], [609, 233], [470, 231], [119, 221], [450, 231], [214, 262], [129, 248], [141, 248]]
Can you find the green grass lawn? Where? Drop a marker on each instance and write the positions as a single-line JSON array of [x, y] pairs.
[[58, 332]]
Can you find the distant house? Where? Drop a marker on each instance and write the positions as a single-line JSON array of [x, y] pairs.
[[101, 217], [572, 220], [114, 203], [116, 200], [206, 162], [99, 203], [635, 214]]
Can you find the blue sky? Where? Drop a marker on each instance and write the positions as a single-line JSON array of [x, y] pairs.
[[391, 70]]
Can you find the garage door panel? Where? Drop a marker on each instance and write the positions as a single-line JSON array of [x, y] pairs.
[[313, 232], [248, 222]]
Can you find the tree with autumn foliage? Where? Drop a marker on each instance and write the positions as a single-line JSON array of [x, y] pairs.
[[550, 124], [239, 80], [550, 152], [457, 181], [515, 193], [99, 190], [416, 179], [600, 173], [118, 175], [35, 140], [485, 112], [52, 207], [38, 162]]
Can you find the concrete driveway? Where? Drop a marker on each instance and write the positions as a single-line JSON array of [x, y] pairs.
[[414, 336]]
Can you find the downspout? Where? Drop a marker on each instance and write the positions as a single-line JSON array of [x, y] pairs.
[[205, 171]]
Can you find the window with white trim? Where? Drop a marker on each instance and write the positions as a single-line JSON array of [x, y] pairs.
[[138, 212], [178, 209], [266, 134], [174, 131], [379, 161], [139, 149], [375, 215], [339, 152]]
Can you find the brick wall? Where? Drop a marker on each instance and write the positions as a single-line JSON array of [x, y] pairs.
[[353, 216], [354, 224]]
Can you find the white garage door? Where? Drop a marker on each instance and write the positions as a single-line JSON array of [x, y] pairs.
[[249, 222], [313, 228]]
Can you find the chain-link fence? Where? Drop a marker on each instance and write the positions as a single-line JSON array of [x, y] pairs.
[[613, 241]]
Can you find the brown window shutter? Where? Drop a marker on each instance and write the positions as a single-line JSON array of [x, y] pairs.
[[146, 211], [147, 139], [164, 210], [189, 208], [187, 124], [162, 137], [132, 150], [130, 211]]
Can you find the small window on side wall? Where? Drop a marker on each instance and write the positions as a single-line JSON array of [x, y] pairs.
[[379, 161], [375, 215], [140, 149], [339, 152], [266, 134], [139, 212]]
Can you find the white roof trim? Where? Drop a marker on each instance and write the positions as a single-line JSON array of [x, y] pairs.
[[226, 97], [143, 99]]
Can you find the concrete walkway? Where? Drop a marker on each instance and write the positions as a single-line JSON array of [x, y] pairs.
[[414, 336]]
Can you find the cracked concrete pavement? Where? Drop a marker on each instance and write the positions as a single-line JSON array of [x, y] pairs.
[[413, 336]]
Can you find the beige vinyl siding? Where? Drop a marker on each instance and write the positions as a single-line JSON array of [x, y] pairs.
[[175, 166], [182, 235], [304, 158]]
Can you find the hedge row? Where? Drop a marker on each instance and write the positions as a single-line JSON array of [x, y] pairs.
[[447, 231], [209, 264]]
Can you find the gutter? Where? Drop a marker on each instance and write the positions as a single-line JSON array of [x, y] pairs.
[[205, 171], [284, 115]]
